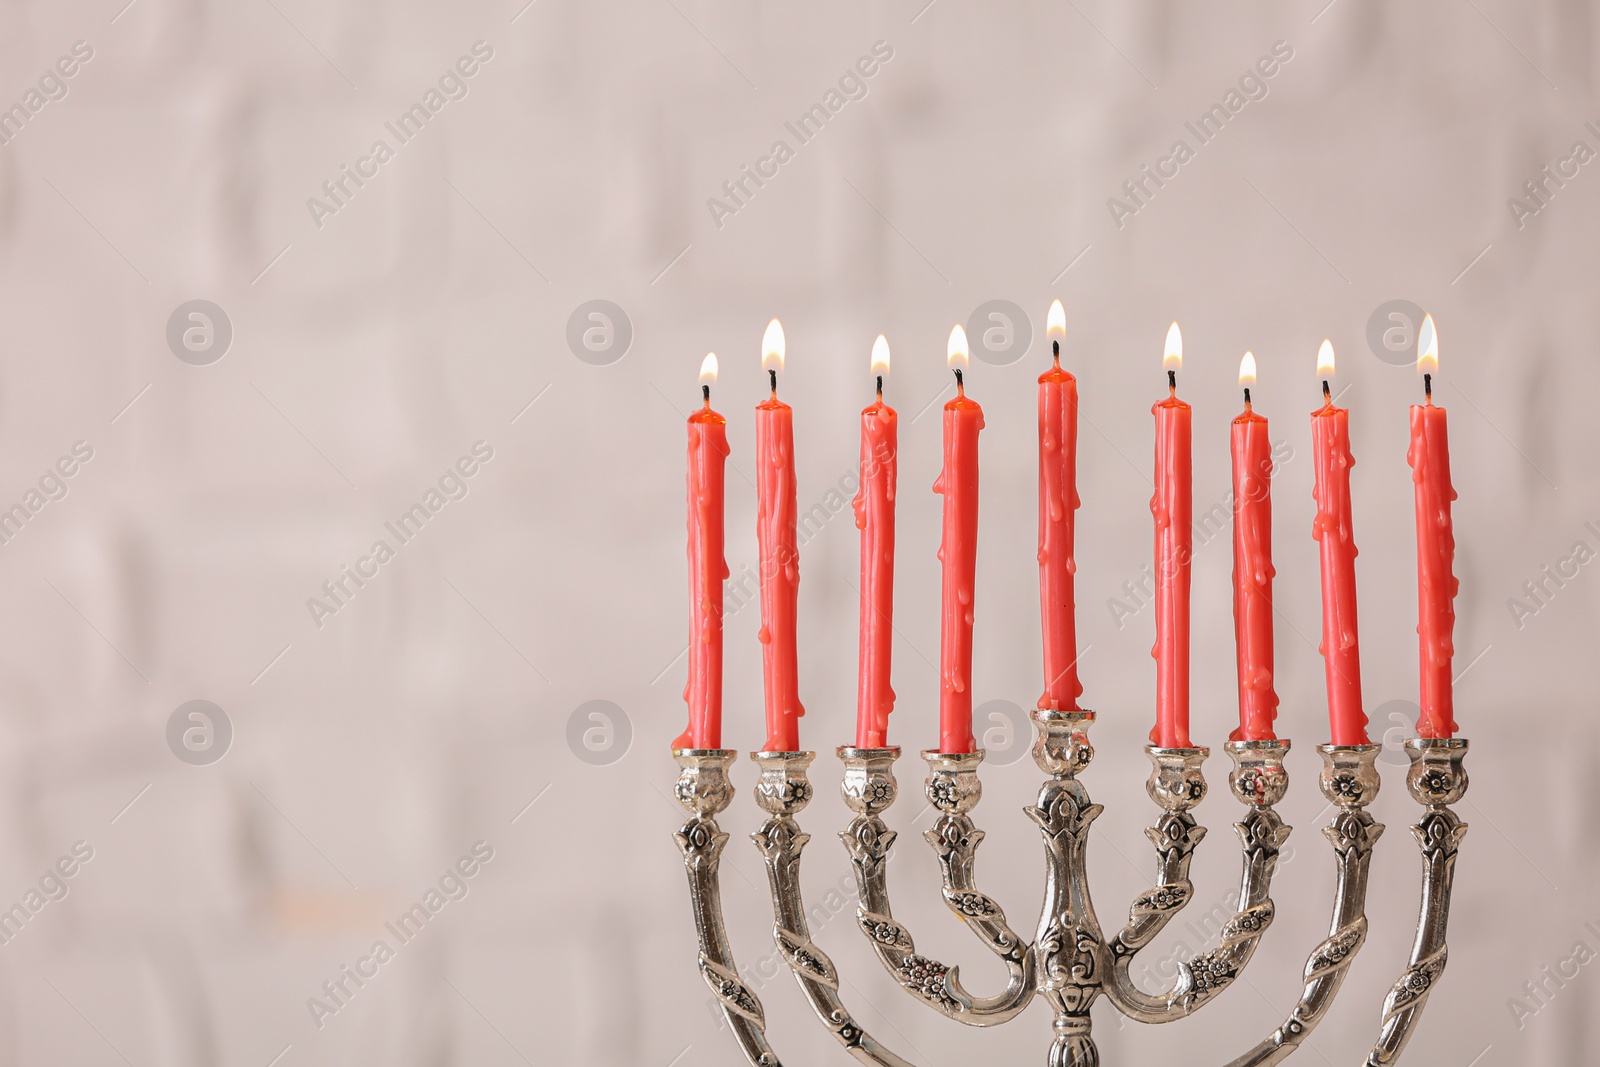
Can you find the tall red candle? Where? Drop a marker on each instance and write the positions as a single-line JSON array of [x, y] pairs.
[[1252, 567], [1173, 509], [779, 556], [958, 553], [1336, 551], [1058, 505], [708, 568], [874, 510], [1429, 456]]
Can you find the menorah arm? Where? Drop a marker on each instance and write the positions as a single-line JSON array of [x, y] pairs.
[[704, 790], [783, 791], [1350, 780], [1176, 783], [869, 788], [1436, 779]]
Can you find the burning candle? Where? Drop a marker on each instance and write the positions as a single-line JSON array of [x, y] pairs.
[[1429, 456], [1336, 551], [958, 553], [874, 508], [708, 568], [1173, 509], [1058, 505], [1252, 566], [779, 557]]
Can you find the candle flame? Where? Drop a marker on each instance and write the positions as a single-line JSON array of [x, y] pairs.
[[1247, 370], [880, 355], [772, 346], [708, 369], [956, 355], [1055, 323], [1428, 347], [1325, 360], [1173, 359]]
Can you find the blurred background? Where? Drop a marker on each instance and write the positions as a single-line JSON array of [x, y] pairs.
[[285, 281]]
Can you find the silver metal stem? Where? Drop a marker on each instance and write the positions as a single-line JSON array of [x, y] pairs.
[[1258, 780], [783, 791], [1436, 779], [1349, 780], [869, 788], [1069, 963], [704, 790]]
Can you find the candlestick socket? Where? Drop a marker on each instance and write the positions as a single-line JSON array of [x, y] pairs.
[[1350, 774], [1258, 777], [1062, 747], [1176, 781], [783, 788], [952, 784], [869, 786], [1437, 776], [703, 787]]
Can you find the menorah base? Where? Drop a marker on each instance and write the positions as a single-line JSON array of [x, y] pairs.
[[1070, 963]]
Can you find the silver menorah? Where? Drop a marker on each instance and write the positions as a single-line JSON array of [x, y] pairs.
[[1070, 962]]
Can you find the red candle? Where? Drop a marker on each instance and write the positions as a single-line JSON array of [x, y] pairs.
[[1429, 456], [874, 508], [1252, 567], [708, 568], [1058, 505], [958, 552], [1173, 508], [779, 556], [1336, 550]]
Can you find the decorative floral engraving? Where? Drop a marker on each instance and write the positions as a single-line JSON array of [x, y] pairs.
[[1337, 950], [1413, 986], [1212, 972], [884, 931], [1247, 924], [1439, 833], [731, 992], [930, 980], [972, 904], [1162, 898], [805, 958]]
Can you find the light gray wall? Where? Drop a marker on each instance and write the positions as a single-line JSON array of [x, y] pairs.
[[374, 345]]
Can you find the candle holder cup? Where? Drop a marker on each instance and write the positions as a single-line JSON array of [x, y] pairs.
[[1070, 962]]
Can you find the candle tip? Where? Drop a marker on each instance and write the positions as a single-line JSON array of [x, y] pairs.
[[956, 350], [1055, 322], [1325, 359], [880, 356], [772, 347], [1428, 347]]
